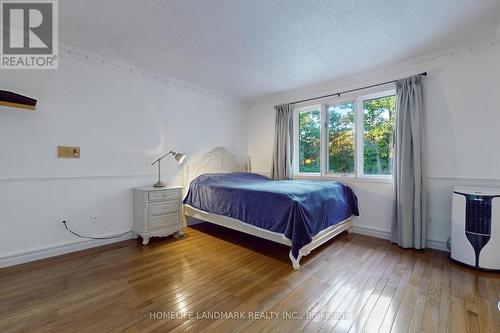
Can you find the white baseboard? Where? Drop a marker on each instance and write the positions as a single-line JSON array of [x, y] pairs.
[[384, 234], [441, 245], [12, 259], [370, 231]]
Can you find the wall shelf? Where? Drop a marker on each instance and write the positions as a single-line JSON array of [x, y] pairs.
[[14, 100]]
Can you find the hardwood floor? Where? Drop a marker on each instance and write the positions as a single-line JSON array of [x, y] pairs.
[[353, 283]]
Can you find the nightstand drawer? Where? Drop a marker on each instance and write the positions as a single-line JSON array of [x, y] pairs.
[[164, 207], [162, 195], [162, 221]]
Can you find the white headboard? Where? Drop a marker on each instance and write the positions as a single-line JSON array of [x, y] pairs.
[[218, 160]]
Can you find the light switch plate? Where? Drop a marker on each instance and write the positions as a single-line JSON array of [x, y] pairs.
[[68, 152]]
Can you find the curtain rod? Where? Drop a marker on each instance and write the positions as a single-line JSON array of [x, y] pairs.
[[347, 91]]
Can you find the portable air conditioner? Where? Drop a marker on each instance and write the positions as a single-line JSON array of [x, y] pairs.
[[475, 227]]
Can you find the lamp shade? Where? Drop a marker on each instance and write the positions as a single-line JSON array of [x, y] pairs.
[[180, 157]]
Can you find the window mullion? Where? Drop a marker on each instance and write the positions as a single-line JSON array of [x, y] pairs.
[[296, 142], [324, 141], [359, 138]]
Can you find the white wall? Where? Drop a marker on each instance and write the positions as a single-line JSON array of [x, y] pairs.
[[461, 129], [122, 121]]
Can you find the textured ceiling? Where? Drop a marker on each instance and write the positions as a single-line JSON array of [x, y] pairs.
[[250, 48]]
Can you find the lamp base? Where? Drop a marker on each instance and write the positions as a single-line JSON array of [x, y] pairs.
[[159, 184]]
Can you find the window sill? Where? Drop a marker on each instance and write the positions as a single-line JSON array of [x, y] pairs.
[[348, 178]]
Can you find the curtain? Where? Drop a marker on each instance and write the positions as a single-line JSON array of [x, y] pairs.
[[409, 224], [283, 142]]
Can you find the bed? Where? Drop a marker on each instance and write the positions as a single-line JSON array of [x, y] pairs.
[[301, 214]]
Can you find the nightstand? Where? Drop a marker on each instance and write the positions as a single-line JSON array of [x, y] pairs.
[[157, 212]]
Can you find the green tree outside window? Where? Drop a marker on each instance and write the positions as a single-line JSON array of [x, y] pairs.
[[378, 134], [309, 141], [341, 138]]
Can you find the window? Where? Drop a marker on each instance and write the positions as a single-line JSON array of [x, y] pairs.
[[341, 143], [309, 141], [378, 127], [357, 141]]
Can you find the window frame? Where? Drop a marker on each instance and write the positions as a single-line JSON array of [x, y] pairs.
[[336, 102], [296, 130], [358, 100]]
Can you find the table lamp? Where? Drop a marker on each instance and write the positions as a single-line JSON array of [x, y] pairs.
[[179, 157]]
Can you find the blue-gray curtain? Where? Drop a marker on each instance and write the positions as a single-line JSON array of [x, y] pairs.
[[409, 227], [283, 143]]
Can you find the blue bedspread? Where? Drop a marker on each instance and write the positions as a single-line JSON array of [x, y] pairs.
[[298, 209]]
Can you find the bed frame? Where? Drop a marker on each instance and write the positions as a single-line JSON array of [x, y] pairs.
[[221, 160]]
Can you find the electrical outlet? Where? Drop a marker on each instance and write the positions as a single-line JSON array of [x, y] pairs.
[[94, 218]]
